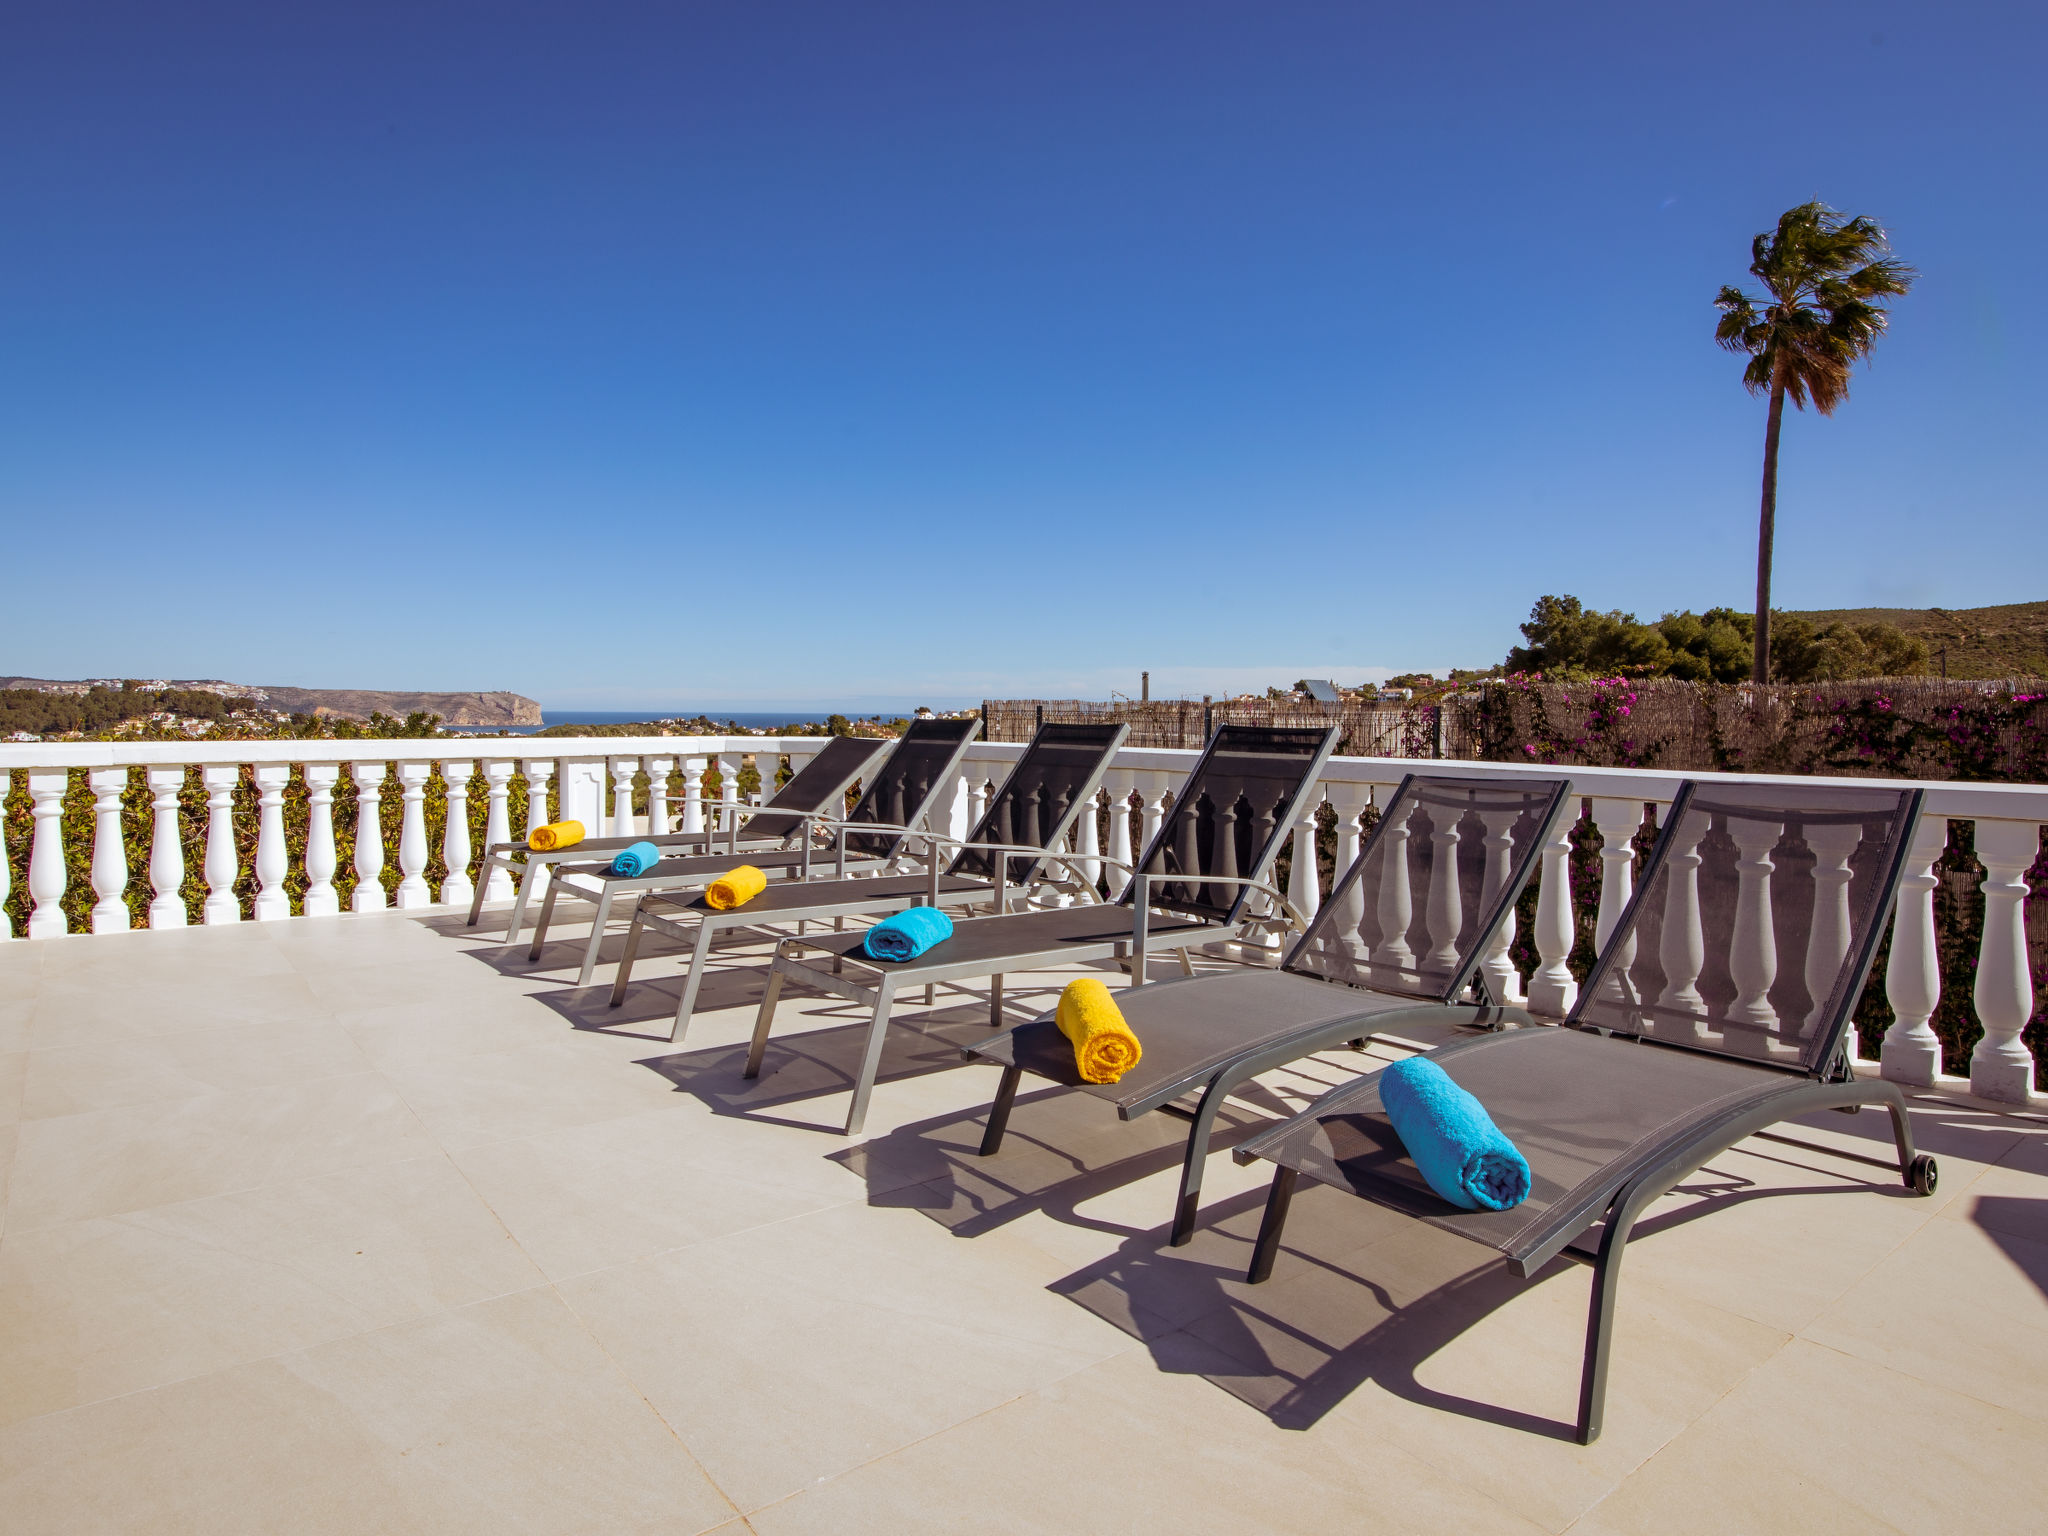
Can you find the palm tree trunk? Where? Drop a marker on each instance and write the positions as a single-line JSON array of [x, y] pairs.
[[1766, 530]]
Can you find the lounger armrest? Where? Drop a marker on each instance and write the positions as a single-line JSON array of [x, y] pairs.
[[1145, 881]]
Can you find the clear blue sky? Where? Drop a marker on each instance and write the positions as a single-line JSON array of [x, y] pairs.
[[725, 354]]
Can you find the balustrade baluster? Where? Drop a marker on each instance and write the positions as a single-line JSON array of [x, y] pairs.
[[109, 851], [1393, 954], [273, 901], [693, 794], [6, 867], [1348, 800], [1304, 877], [412, 836], [223, 863], [1553, 989], [47, 876], [1152, 792], [1617, 821], [1119, 849], [1911, 1052], [320, 899], [1827, 939], [498, 824], [1446, 911], [369, 892], [456, 886], [728, 788], [658, 770], [1503, 981], [1682, 948], [623, 771], [166, 848], [1753, 946], [2001, 1067], [1087, 841]]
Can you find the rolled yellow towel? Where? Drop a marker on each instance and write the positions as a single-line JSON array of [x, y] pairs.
[[1104, 1047], [556, 834], [735, 888]]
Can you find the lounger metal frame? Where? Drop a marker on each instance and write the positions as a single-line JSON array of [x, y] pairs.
[[1435, 1013], [1167, 931], [1629, 1185]]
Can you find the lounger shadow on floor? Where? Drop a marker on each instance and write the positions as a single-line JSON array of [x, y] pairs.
[[1368, 1297], [1061, 1154], [821, 1064]]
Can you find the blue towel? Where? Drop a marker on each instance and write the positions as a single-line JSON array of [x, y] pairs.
[[636, 860], [1453, 1140], [907, 935]]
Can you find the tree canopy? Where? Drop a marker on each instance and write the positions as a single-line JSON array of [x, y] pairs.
[[1565, 639]]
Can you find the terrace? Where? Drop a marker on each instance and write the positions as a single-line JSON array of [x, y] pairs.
[[361, 1222]]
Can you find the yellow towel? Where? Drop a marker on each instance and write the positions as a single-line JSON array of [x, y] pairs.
[[1104, 1047], [735, 888], [556, 834]]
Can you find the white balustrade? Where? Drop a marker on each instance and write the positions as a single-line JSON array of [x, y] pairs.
[[1912, 977], [223, 863], [728, 788], [1617, 822], [109, 851], [693, 794], [166, 848], [1553, 989], [321, 899], [658, 770], [273, 901], [46, 873], [369, 892], [2001, 1067], [412, 837], [456, 886], [498, 825], [2007, 821]]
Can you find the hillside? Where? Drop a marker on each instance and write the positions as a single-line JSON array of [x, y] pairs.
[[471, 709], [2006, 641]]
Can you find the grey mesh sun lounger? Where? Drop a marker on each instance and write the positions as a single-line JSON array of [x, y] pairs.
[[1044, 795], [1654, 1074], [816, 787], [1193, 885], [1394, 950], [896, 798]]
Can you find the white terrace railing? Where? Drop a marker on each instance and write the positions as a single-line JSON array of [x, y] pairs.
[[587, 772]]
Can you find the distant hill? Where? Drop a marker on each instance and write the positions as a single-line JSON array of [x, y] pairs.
[[473, 709], [2007, 641]]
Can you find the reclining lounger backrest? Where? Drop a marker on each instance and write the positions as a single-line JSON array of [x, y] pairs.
[[1055, 780], [1753, 928], [1439, 870], [901, 791], [815, 786], [1230, 816]]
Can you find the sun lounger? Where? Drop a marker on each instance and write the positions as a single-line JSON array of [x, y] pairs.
[[1194, 885], [1687, 1037], [897, 797], [1045, 793], [1395, 951], [816, 787]]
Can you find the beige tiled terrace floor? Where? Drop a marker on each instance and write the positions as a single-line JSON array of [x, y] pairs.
[[356, 1226]]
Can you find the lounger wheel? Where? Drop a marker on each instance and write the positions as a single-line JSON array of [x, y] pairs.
[[1923, 1174]]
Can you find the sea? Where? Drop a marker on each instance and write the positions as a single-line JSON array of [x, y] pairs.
[[753, 719]]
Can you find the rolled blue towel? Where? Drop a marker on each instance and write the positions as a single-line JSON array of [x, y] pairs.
[[907, 935], [636, 860], [1453, 1140]]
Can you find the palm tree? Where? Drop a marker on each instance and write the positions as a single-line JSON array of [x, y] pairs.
[[1825, 280]]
